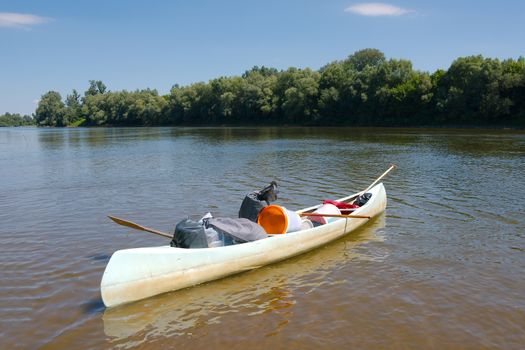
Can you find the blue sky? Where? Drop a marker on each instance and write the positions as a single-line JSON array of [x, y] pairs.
[[60, 45]]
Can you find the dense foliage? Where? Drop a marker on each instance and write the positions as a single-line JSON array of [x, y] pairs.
[[9, 119], [364, 89]]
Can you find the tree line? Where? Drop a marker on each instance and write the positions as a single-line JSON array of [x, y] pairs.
[[16, 119], [365, 89]]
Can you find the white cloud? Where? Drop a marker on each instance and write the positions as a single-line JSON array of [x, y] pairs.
[[377, 9], [20, 20], [37, 101]]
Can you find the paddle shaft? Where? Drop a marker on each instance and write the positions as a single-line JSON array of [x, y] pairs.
[[336, 215], [392, 167], [139, 227]]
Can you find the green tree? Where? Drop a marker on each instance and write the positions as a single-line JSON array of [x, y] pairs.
[[50, 110], [95, 87], [297, 92], [257, 100], [362, 59], [480, 91], [73, 108]]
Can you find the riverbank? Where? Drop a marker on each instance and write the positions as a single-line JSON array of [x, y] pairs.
[[450, 128]]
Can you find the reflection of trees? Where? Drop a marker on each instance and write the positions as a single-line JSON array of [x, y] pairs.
[[52, 138], [225, 134], [99, 137], [473, 142], [265, 292], [483, 144]]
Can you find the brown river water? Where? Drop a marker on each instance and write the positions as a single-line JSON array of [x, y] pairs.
[[442, 268]]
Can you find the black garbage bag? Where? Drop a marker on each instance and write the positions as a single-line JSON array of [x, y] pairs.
[[363, 199], [269, 193], [251, 206], [254, 202], [189, 234]]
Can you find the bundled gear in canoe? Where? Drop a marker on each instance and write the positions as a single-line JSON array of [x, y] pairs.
[[257, 218], [215, 232]]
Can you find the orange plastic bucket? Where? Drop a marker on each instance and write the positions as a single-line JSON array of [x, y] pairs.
[[277, 220]]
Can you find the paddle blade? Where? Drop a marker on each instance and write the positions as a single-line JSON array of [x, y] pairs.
[[138, 227], [126, 223]]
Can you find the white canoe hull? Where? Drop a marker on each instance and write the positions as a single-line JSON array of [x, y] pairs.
[[135, 274]]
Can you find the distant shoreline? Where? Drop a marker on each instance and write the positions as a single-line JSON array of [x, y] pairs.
[[419, 127], [366, 89]]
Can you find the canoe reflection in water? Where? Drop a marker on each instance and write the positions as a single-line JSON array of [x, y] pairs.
[[271, 292]]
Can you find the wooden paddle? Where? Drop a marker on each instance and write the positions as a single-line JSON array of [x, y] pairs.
[[336, 215], [392, 167], [139, 227]]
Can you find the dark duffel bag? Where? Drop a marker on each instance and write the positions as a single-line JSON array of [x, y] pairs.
[[254, 202], [251, 206], [363, 199], [189, 234]]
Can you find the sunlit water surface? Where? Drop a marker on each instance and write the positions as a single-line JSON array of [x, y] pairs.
[[442, 268]]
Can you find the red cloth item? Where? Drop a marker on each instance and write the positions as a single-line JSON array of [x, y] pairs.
[[341, 205]]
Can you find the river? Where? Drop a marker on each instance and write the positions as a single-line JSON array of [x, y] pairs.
[[442, 268]]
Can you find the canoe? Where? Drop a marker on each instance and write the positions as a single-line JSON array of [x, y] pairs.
[[139, 273]]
